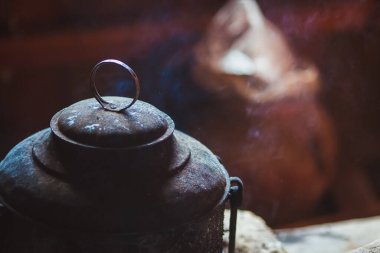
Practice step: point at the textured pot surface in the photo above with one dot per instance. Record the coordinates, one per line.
(90, 172)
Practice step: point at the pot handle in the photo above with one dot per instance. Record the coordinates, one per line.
(236, 199)
(107, 105)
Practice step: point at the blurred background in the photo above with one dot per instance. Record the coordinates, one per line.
(304, 158)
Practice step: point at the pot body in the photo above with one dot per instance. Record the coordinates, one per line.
(25, 232)
(105, 181)
(203, 235)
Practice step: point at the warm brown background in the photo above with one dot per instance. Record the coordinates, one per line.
(47, 49)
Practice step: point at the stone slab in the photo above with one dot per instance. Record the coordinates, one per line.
(334, 237)
(252, 235)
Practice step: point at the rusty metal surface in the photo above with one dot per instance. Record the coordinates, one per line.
(113, 171)
(112, 199)
(104, 181)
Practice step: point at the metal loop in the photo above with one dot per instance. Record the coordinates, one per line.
(105, 104)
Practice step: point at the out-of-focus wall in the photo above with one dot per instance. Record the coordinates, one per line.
(47, 49)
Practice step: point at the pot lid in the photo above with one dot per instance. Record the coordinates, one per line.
(112, 122)
(87, 123)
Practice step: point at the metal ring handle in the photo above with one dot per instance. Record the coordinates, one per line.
(105, 104)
